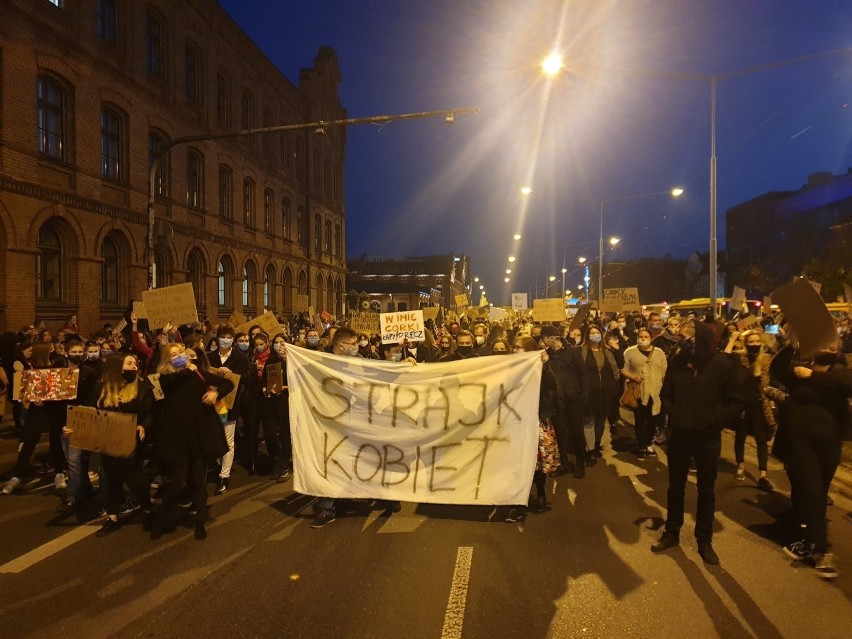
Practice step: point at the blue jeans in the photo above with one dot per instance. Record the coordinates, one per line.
(78, 470)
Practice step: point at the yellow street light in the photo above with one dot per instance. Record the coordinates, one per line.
(581, 260)
(525, 190)
(508, 271)
(506, 279)
(552, 278)
(511, 258)
(552, 64)
(475, 279)
(614, 240)
(677, 191)
(517, 236)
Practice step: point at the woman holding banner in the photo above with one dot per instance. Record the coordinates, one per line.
(191, 432)
(121, 390)
(548, 450)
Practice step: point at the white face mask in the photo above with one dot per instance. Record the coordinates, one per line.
(363, 343)
(644, 342)
(396, 357)
(480, 340)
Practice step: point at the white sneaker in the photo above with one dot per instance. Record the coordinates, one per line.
(11, 485)
(60, 482)
(824, 566)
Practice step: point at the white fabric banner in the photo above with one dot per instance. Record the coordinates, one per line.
(462, 432)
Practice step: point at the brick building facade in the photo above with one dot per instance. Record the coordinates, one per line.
(88, 91)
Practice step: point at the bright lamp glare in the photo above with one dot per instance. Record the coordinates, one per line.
(511, 258)
(552, 278)
(552, 64)
(506, 279)
(525, 190)
(581, 260)
(677, 191)
(508, 271)
(614, 240)
(517, 236)
(475, 279)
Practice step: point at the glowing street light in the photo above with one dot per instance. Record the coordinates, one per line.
(475, 279)
(506, 279)
(614, 240)
(508, 271)
(552, 64)
(517, 236)
(511, 258)
(481, 287)
(677, 191)
(581, 260)
(525, 190)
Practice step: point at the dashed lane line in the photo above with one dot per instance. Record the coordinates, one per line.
(454, 616)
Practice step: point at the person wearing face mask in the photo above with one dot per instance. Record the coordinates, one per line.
(813, 421)
(418, 352)
(574, 336)
(501, 347)
(702, 395)
(603, 374)
(480, 340)
(252, 400)
(655, 324)
(572, 393)
(464, 348)
(535, 332)
(276, 412)
(312, 340)
(191, 434)
(669, 339)
(753, 364)
(225, 360)
(79, 488)
(446, 345)
(365, 348)
(646, 365)
(121, 390)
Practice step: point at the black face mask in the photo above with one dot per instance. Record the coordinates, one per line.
(825, 359)
(753, 349)
(128, 376)
(537, 338)
(464, 351)
(75, 359)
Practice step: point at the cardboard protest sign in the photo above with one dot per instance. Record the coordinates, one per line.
(154, 378)
(16, 384)
(431, 313)
(738, 299)
(139, 310)
(302, 303)
(232, 396)
(806, 312)
(519, 302)
(629, 298)
(580, 315)
(461, 432)
(175, 304)
(274, 379)
(402, 325)
(49, 384)
(748, 323)
(614, 305)
(462, 300)
(267, 322)
(496, 314)
(549, 310)
(237, 319)
(100, 431)
(365, 323)
(478, 311)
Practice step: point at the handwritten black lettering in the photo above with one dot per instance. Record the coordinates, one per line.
(398, 462)
(400, 409)
(485, 440)
(326, 387)
(327, 456)
(361, 449)
(503, 397)
(435, 468)
(484, 388)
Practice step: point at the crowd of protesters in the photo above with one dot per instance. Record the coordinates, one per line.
(685, 379)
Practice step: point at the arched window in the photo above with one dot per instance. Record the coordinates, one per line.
(317, 235)
(225, 277)
(155, 46)
(249, 279)
(329, 295)
(113, 144)
(49, 265)
(338, 307)
(156, 143)
(285, 218)
(165, 267)
(109, 272)
(303, 283)
(320, 298)
(193, 74)
(338, 244)
(327, 243)
(301, 226)
(226, 192)
(224, 99)
(269, 211)
(53, 115)
(247, 114)
(195, 275)
(108, 21)
(248, 203)
(194, 179)
(287, 290)
(269, 288)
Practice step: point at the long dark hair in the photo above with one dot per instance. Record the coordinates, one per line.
(115, 389)
(41, 355)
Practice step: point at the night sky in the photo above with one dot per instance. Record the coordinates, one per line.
(608, 126)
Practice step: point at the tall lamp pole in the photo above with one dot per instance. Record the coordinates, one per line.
(320, 125)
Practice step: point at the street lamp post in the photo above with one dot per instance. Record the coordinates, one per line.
(320, 125)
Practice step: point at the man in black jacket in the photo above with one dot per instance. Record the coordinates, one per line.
(701, 395)
(572, 392)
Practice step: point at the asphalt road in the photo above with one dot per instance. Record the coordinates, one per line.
(583, 569)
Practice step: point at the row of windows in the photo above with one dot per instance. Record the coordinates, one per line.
(51, 270)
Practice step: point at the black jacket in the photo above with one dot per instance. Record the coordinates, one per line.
(571, 377)
(237, 363)
(701, 398)
(187, 425)
(278, 404)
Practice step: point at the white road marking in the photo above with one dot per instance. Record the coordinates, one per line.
(454, 617)
(49, 549)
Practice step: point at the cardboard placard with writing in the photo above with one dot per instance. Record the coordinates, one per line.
(49, 384)
(267, 322)
(231, 397)
(614, 305)
(549, 310)
(102, 431)
(302, 303)
(580, 316)
(431, 313)
(175, 304)
(274, 379)
(365, 323)
(748, 323)
(154, 378)
(629, 298)
(496, 314)
(237, 319)
(478, 311)
(402, 325)
(807, 313)
(520, 302)
(462, 300)
(139, 310)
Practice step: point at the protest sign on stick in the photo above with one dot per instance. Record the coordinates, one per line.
(175, 304)
(519, 302)
(629, 298)
(402, 325)
(549, 310)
